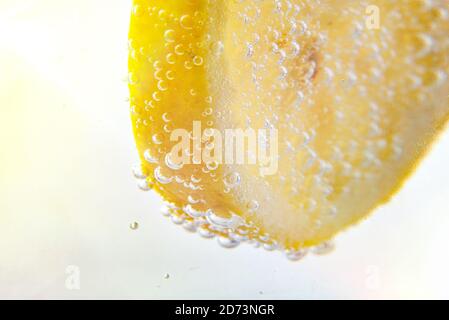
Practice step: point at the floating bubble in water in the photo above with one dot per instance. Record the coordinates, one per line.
(134, 225)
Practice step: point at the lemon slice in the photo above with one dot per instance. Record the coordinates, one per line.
(355, 92)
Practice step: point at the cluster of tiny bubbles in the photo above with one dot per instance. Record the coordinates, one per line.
(232, 230)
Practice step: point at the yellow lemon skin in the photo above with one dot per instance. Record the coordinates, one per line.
(357, 91)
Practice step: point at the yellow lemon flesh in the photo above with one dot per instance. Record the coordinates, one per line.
(357, 91)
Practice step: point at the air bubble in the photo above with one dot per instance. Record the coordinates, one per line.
(295, 255)
(208, 99)
(252, 205)
(425, 44)
(160, 177)
(189, 226)
(162, 85)
(186, 22)
(188, 209)
(295, 49)
(232, 180)
(169, 35)
(204, 232)
(198, 61)
(137, 172)
(171, 58)
(156, 96)
(144, 185)
(133, 79)
(324, 248)
(191, 199)
(227, 242)
(212, 165)
(156, 138)
(170, 75)
(137, 10)
(217, 48)
(149, 157)
(179, 49)
(176, 218)
(171, 164)
(223, 223)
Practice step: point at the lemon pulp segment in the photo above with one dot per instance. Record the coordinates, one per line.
(355, 106)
